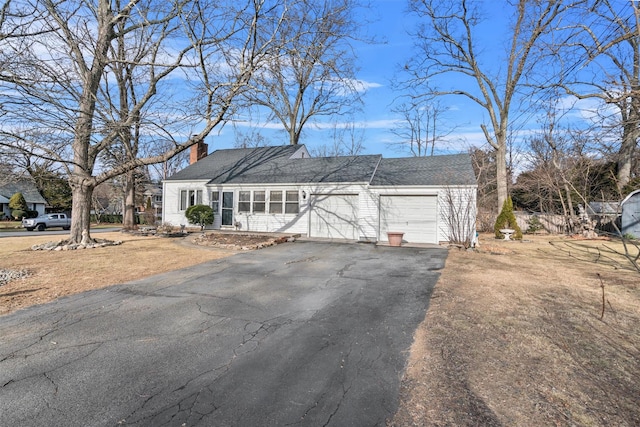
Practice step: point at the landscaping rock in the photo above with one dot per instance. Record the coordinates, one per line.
(64, 245)
(7, 275)
(240, 241)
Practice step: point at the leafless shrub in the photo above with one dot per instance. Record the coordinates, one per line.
(460, 212)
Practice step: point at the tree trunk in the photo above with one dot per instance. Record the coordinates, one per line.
(571, 210)
(129, 214)
(81, 210)
(627, 149)
(501, 173)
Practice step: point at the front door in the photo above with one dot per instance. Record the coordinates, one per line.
(227, 208)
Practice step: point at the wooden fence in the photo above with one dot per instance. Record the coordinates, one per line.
(551, 223)
(558, 224)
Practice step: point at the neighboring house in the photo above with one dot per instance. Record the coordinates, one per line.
(283, 189)
(631, 214)
(604, 208)
(12, 185)
(154, 193)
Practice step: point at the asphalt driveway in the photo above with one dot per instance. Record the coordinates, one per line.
(305, 333)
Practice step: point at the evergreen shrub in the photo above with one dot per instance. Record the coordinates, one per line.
(507, 219)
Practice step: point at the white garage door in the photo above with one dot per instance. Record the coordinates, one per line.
(416, 216)
(334, 216)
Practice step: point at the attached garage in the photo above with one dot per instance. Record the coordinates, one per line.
(414, 215)
(333, 216)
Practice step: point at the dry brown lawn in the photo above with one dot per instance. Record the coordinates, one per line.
(512, 337)
(58, 273)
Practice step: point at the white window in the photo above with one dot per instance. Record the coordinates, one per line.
(244, 201)
(291, 205)
(275, 201)
(215, 202)
(259, 201)
(190, 198)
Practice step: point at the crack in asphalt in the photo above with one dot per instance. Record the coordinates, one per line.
(321, 314)
(256, 333)
(308, 259)
(346, 267)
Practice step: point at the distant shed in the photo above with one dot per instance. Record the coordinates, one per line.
(631, 214)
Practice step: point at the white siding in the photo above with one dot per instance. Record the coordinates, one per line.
(457, 206)
(334, 216)
(368, 218)
(265, 221)
(171, 213)
(368, 215)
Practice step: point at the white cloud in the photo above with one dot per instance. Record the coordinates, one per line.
(362, 86)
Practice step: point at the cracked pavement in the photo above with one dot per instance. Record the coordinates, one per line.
(300, 334)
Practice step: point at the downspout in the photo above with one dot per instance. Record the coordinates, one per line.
(377, 226)
(375, 170)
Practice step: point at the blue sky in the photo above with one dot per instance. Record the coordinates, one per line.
(378, 64)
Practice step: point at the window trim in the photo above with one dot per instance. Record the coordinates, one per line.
(262, 201)
(246, 204)
(295, 202)
(214, 202)
(187, 195)
(276, 202)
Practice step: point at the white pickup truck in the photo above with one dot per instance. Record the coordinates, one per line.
(45, 221)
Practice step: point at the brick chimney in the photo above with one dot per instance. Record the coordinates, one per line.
(198, 152)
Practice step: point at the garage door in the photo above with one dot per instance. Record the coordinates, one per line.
(334, 216)
(416, 216)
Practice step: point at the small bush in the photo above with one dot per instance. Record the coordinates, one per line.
(534, 225)
(149, 216)
(166, 228)
(507, 219)
(17, 214)
(199, 214)
(107, 218)
(18, 203)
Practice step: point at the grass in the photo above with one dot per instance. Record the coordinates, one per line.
(55, 274)
(514, 336)
(10, 225)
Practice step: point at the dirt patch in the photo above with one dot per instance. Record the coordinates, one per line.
(513, 336)
(240, 241)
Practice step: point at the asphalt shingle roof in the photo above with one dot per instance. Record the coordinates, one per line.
(26, 186)
(273, 165)
(307, 170)
(451, 169)
(223, 165)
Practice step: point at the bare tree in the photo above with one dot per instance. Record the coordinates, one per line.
(56, 79)
(562, 173)
(448, 44)
(313, 73)
(346, 140)
(601, 61)
(483, 161)
(159, 171)
(459, 206)
(420, 129)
